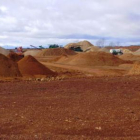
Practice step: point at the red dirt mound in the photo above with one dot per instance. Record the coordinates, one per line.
(30, 66)
(13, 56)
(8, 68)
(135, 70)
(129, 56)
(58, 58)
(93, 59)
(55, 52)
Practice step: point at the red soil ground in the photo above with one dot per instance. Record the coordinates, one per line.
(75, 109)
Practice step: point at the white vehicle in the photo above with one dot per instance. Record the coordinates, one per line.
(116, 51)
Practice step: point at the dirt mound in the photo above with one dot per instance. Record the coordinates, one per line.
(137, 52)
(126, 51)
(135, 70)
(55, 52)
(92, 59)
(129, 56)
(30, 66)
(104, 50)
(59, 58)
(14, 56)
(31, 52)
(92, 49)
(4, 51)
(8, 68)
(84, 45)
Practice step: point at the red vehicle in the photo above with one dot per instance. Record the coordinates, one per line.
(19, 51)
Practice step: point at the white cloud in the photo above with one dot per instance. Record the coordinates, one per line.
(3, 36)
(3, 9)
(51, 21)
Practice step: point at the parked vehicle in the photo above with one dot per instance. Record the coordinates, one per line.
(116, 51)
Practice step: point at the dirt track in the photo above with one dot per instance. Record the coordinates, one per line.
(93, 70)
(73, 109)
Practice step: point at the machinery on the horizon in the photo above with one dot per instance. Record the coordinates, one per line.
(19, 51)
(40, 47)
(116, 51)
(76, 48)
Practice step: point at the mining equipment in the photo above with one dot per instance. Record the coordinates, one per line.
(19, 51)
(116, 51)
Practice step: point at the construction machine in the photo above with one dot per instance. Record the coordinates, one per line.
(19, 51)
(40, 47)
(116, 51)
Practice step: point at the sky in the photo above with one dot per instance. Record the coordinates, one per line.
(44, 22)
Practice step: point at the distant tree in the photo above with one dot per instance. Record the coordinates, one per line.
(112, 44)
(54, 46)
(118, 43)
(100, 43)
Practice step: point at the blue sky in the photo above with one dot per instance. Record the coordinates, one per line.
(35, 22)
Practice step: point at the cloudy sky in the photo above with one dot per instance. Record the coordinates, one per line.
(43, 22)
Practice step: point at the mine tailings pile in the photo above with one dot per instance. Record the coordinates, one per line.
(55, 52)
(4, 51)
(135, 70)
(104, 49)
(32, 52)
(137, 52)
(129, 56)
(29, 66)
(84, 45)
(92, 59)
(8, 68)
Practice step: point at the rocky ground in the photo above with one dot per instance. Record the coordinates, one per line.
(71, 109)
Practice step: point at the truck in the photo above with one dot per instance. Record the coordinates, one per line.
(116, 51)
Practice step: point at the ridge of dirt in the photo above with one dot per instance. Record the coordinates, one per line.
(30, 66)
(4, 51)
(32, 52)
(8, 68)
(92, 59)
(55, 52)
(129, 56)
(135, 70)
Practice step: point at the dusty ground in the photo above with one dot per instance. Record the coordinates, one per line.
(79, 104)
(72, 109)
(61, 68)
